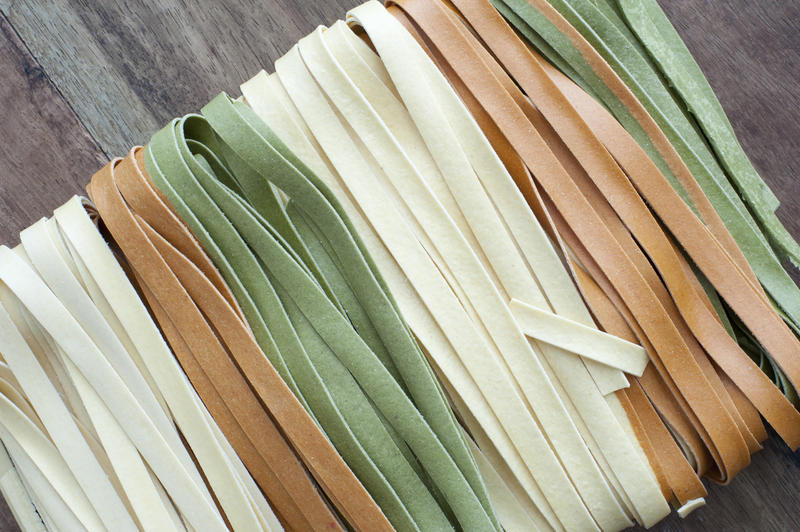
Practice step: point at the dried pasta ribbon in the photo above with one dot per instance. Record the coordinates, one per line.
(438, 446)
(212, 342)
(690, 232)
(17, 494)
(722, 432)
(66, 274)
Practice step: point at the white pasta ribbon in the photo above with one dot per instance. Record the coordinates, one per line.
(580, 339)
(457, 243)
(93, 399)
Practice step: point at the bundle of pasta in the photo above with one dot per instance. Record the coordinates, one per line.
(627, 54)
(418, 278)
(648, 265)
(473, 272)
(102, 426)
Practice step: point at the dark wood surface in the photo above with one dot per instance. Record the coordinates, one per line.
(80, 83)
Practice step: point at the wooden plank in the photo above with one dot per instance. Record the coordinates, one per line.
(46, 155)
(126, 72)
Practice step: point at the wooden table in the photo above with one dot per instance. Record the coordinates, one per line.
(79, 85)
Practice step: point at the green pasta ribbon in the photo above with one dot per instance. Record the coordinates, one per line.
(321, 312)
(640, 65)
(652, 27)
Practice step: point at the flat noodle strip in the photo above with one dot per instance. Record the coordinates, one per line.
(689, 231)
(431, 290)
(511, 514)
(672, 409)
(460, 487)
(552, 329)
(164, 286)
(16, 495)
(660, 387)
(724, 436)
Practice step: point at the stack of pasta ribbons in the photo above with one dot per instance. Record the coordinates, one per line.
(452, 265)
(104, 428)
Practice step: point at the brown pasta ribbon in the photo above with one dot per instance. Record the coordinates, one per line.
(701, 246)
(265, 423)
(680, 478)
(595, 181)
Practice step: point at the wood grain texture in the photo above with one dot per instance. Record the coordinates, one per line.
(46, 154)
(125, 69)
(128, 70)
